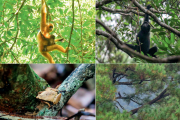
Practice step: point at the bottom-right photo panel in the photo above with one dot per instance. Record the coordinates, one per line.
(138, 91)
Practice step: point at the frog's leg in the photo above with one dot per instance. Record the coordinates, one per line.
(48, 104)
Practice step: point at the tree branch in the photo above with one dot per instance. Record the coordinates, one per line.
(130, 98)
(162, 95)
(156, 18)
(124, 83)
(120, 45)
(103, 2)
(120, 105)
(69, 87)
(122, 11)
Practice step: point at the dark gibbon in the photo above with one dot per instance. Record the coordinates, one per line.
(143, 38)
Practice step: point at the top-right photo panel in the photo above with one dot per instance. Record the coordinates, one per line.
(137, 31)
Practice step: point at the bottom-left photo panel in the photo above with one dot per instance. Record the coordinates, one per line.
(47, 91)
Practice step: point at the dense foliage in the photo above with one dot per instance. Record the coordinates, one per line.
(105, 95)
(143, 91)
(124, 19)
(20, 23)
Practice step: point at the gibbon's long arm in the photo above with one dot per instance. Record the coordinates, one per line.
(143, 38)
(43, 16)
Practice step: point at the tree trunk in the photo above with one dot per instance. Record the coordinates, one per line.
(19, 86)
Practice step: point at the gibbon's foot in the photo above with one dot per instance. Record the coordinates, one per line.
(52, 61)
(48, 56)
(66, 49)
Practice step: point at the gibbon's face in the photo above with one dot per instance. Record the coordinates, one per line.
(50, 27)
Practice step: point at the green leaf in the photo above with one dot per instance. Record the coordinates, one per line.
(9, 33)
(65, 11)
(172, 38)
(18, 42)
(167, 40)
(163, 48)
(108, 18)
(61, 12)
(162, 33)
(126, 23)
(156, 30)
(6, 24)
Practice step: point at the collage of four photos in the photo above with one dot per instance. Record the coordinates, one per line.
(90, 60)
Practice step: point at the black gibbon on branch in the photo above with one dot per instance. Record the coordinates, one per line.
(142, 39)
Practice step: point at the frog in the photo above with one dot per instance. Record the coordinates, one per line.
(50, 95)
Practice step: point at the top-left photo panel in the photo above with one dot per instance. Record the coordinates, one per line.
(47, 31)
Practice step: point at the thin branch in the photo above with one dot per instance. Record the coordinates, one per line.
(109, 30)
(81, 30)
(103, 2)
(20, 7)
(16, 35)
(156, 18)
(135, 101)
(124, 83)
(160, 96)
(120, 105)
(71, 30)
(16, 32)
(16, 11)
(120, 45)
(120, 97)
(17, 25)
(6, 41)
(122, 11)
